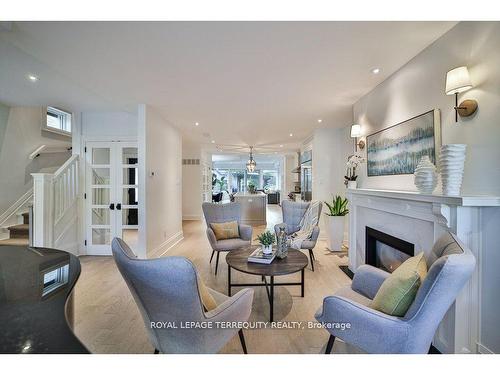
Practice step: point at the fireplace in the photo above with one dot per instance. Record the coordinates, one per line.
(385, 251)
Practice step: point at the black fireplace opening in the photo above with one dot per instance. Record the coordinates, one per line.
(385, 251)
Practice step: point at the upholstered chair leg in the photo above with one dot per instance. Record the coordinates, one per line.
(157, 351)
(329, 345)
(242, 340)
(311, 259)
(213, 251)
(217, 262)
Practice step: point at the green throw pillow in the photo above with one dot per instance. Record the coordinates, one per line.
(398, 291)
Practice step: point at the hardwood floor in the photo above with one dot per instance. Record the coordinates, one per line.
(108, 321)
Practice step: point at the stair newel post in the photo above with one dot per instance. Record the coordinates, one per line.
(43, 207)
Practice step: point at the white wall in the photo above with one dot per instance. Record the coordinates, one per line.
(191, 182)
(21, 135)
(160, 152)
(327, 168)
(418, 87)
(109, 125)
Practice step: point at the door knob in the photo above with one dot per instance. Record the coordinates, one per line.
(112, 206)
(118, 206)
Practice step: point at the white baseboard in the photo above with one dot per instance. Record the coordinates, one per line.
(191, 217)
(483, 349)
(167, 245)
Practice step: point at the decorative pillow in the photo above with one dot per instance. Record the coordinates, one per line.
(397, 292)
(207, 299)
(225, 231)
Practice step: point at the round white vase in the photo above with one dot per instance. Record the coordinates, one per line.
(352, 184)
(451, 167)
(267, 249)
(335, 232)
(425, 176)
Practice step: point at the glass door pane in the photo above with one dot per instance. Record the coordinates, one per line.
(100, 194)
(128, 194)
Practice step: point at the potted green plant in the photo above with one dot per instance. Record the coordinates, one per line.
(337, 210)
(266, 240)
(251, 187)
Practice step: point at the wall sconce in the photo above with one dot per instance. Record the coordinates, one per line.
(457, 81)
(356, 133)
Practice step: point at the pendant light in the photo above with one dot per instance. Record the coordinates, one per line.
(251, 164)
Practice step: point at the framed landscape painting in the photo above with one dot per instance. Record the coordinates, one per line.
(399, 148)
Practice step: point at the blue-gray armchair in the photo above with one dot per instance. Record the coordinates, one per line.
(451, 265)
(222, 213)
(166, 290)
(292, 215)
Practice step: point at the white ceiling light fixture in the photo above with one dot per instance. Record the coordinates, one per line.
(291, 134)
(196, 124)
(251, 164)
(320, 121)
(32, 77)
(213, 141)
(376, 70)
(281, 146)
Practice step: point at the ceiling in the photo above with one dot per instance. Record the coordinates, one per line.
(245, 83)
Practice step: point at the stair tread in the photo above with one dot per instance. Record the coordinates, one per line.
(14, 242)
(19, 227)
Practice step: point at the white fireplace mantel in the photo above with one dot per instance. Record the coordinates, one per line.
(421, 219)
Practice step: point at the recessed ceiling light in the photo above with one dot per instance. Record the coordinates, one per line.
(320, 121)
(281, 145)
(291, 134)
(32, 77)
(275, 152)
(196, 124)
(376, 70)
(213, 141)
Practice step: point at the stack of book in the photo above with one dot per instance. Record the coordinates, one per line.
(259, 257)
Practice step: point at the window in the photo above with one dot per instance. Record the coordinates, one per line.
(58, 121)
(270, 180)
(237, 181)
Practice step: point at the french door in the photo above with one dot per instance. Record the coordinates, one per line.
(112, 207)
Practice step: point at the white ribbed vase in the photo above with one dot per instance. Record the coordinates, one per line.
(451, 167)
(425, 176)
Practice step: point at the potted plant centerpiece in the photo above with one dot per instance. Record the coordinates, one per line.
(350, 177)
(266, 240)
(251, 187)
(337, 210)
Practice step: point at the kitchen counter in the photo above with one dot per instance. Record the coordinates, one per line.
(253, 207)
(35, 300)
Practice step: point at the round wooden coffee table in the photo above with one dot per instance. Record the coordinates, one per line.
(294, 262)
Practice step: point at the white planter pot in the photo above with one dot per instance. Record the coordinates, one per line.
(335, 232)
(267, 249)
(352, 184)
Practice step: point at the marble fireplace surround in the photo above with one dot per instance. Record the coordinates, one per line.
(421, 219)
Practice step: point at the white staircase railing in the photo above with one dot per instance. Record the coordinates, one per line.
(55, 208)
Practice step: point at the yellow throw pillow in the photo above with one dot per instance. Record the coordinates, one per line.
(225, 231)
(207, 299)
(398, 291)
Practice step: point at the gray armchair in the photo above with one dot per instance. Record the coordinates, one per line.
(292, 214)
(166, 291)
(451, 265)
(221, 213)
